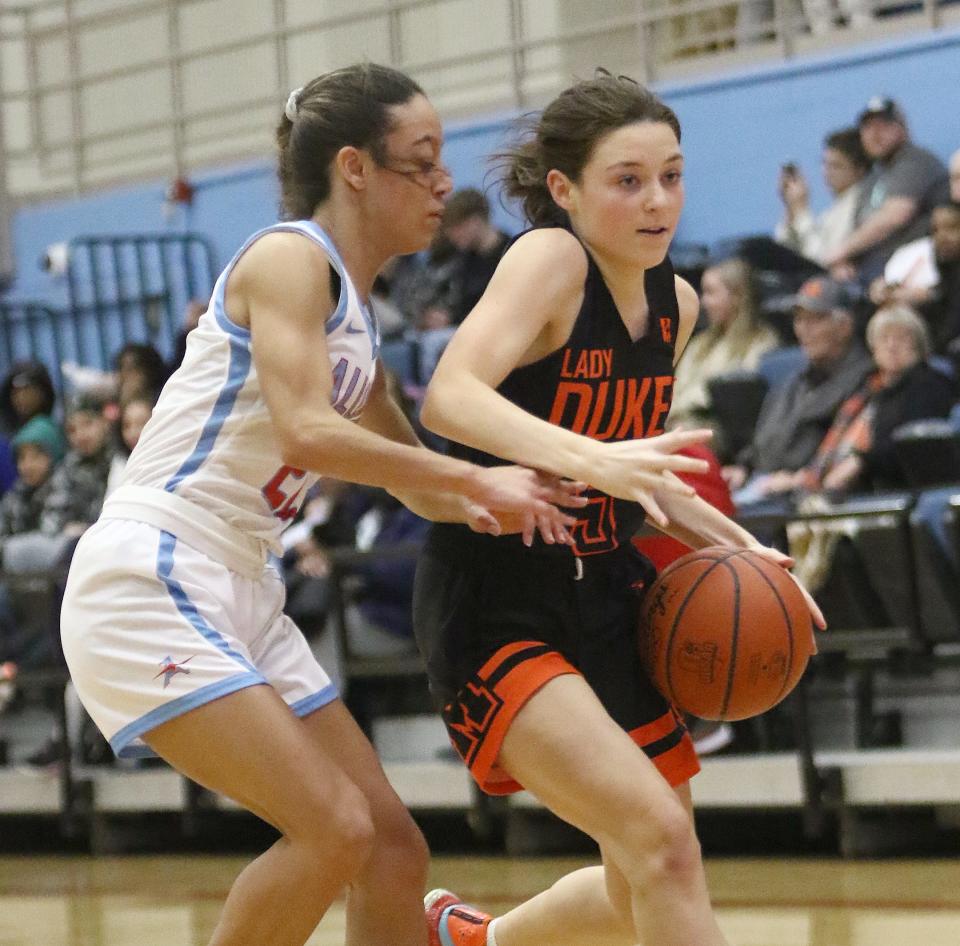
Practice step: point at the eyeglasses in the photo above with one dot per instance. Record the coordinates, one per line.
(426, 174)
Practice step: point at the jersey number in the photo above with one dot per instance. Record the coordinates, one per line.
(595, 530)
(283, 504)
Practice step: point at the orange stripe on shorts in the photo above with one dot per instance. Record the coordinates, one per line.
(478, 723)
(679, 763)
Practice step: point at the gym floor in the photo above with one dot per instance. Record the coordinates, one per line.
(174, 901)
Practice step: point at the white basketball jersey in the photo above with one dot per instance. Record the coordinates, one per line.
(210, 440)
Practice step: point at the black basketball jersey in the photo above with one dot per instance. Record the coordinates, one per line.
(605, 385)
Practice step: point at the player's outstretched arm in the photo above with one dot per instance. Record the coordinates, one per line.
(384, 416)
(523, 315)
(281, 289)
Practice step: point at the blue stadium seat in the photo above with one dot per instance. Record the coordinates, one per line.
(399, 355)
(778, 365)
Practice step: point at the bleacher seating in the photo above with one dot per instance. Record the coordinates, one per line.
(735, 401)
(778, 365)
(929, 452)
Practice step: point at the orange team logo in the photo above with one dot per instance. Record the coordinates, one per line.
(469, 718)
(169, 668)
(666, 330)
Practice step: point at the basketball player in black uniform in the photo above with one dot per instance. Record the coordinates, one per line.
(567, 364)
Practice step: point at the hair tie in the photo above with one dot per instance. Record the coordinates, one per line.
(290, 109)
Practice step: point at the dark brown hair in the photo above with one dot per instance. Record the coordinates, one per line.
(565, 134)
(848, 142)
(345, 107)
(463, 204)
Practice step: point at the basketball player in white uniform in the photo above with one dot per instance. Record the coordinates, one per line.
(172, 621)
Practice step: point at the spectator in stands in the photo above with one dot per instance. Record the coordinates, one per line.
(39, 446)
(328, 519)
(941, 308)
(403, 279)
(912, 274)
(140, 370)
(344, 515)
(478, 247)
(76, 493)
(435, 328)
(909, 276)
(845, 164)
(26, 392)
(131, 419)
(858, 452)
(906, 182)
(733, 340)
(80, 482)
(797, 414)
(378, 612)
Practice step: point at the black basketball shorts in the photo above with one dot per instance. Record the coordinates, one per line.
(495, 621)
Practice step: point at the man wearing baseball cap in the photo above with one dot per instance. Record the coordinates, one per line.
(906, 182)
(798, 412)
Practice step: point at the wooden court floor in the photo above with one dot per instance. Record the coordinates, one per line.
(174, 901)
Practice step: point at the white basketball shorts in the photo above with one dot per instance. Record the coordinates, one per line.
(153, 628)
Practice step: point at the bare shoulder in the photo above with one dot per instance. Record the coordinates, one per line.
(552, 257)
(277, 254)
(280, 265)
(687, 299)
(689, 305)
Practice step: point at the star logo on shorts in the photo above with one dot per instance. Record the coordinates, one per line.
(169, 668)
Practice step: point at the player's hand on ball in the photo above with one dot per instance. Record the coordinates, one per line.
(785, 561)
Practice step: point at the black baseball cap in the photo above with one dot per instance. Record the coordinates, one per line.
(882, 107)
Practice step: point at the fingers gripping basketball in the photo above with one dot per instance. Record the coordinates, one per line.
(725, 634)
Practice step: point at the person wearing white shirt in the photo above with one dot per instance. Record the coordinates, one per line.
(845, 164)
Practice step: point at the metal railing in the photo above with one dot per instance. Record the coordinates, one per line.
(131, 288)
(98, 91)
(34, 331)
(134, 288)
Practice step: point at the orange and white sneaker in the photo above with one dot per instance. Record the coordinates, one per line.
(450, 922)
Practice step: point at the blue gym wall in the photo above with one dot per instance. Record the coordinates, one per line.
(737, 131)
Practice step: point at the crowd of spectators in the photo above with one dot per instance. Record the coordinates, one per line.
(66, 450)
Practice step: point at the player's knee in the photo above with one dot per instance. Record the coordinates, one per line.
(340, 833)
(402, 850)
(346, 841)
(662, 847)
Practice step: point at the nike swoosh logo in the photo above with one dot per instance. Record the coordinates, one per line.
(354, 331)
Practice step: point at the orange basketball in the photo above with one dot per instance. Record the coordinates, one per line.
(725, 633)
